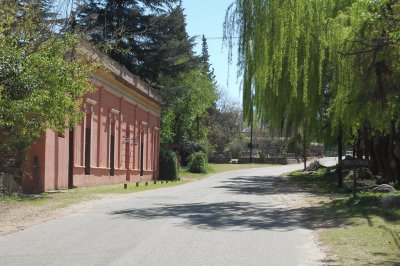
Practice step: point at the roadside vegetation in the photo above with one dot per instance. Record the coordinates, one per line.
(325, 71)
(356, 231)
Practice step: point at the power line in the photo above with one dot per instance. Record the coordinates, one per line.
(220, 38)
(217, 38)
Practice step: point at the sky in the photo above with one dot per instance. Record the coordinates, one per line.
(206, 17)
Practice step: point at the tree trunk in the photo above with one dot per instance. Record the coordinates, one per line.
(366, 143)
(390, 148)
(375, 164)
(380, 156)
(304, 151)
(359, 154)
(340, 155)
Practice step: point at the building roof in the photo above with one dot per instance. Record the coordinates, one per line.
(120, 72)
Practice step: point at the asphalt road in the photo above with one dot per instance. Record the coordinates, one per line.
(246, 217)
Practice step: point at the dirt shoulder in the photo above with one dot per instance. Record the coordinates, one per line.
(17, 216)
(18, 212)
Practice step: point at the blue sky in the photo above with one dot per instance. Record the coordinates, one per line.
(207, 17)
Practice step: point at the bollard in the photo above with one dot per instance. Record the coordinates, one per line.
(125, 186)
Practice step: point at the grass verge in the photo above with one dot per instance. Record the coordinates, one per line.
(357, 231)
(62, 198)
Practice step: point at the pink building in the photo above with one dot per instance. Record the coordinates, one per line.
(117, 141)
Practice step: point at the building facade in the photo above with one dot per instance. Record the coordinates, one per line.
(117, 141)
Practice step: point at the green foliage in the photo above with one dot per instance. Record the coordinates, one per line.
(185, 97)
(225, 123)
(312, 67)
(148, 37)
(40, 87)
(282, 51)
(189, 147)
(293, 52)
(198, 163)
(168, 165)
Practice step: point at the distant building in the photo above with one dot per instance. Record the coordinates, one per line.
(117, 141)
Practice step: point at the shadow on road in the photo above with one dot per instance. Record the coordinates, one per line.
(228, 216)
(241, 215)
(259, 185)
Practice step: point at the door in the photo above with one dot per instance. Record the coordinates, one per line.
(128, 156)
(71, 159)
(141, 158)
(88, 138)
(112, 153)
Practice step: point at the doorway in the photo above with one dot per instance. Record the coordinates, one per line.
(71, 159)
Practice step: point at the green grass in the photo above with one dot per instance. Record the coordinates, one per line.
(358, 230)
(364, 245)
(317, 182)
(63, 198)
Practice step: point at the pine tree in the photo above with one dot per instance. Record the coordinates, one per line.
(168, 50)
(147, 37)
(205, 58)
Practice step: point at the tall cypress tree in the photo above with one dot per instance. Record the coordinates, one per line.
(205, 58)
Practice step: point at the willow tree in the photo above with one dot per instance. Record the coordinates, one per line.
(372, 51)
(282, 53)
(303, 61)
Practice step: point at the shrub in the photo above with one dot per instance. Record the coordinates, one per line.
(168, 164)
(189, 147)
(198, 163)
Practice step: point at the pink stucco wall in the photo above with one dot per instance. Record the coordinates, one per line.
(107, 111)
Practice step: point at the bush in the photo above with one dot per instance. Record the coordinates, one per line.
(168, 165)
(189, 147)
(198, 163)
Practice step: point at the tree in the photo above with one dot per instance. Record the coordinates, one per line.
(205, 59)
(169, 49)
(281, 55)
(225, 125)
(188, 96)
(148, 37)
(308, 64)
(40, 86)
